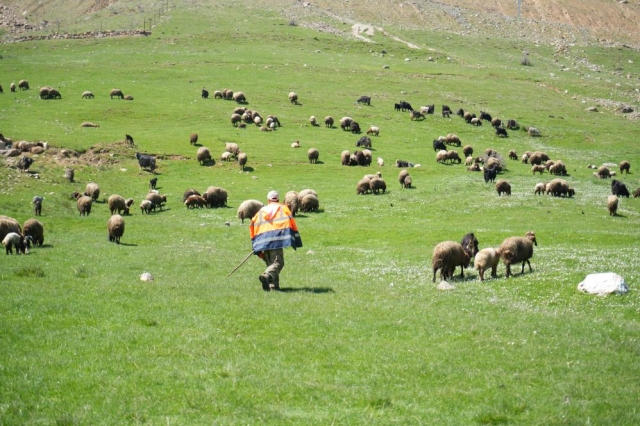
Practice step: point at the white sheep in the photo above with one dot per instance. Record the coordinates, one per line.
(13, 239)
(380, 162)
(485, 259)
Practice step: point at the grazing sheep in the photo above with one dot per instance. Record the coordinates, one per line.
(23, 85)
(496, 122)
(156, 199)
(128, 202)
(485, 116)
(227, 94)
(438, 145)
(13, 239)
(204, 93)
(304, 193)
(636, 193)
(512, 125)
(453, 156)
(35, 230)
(441, 156)
(309, 203)
(485, 259)
(215, 197)
(503, 187)
(117, 93)
(612, 205)
(12, 87)
(217, 94)
(447, 256)
(345, 123)
(501, 133)
(373, 130)
(476, 121)
(194, 201)
(313, 155)
(378, 184)
(537, 158)
(624, 166)
(54, 94)
(117, 204)
(242, 160)
(8, 225)
(364, 100)
(548, 164)
(558, 188)
(293, 98)
(345, 157)
(226, 156)
(146, 206)
(474, 168)
(537, 168)
(193, 139)
(312, 121)
(402, 176)
(115, 226)
(364, 141)
(152, 183)
(92, 190)
(146, 161)
(602, 173)
(416, 115)
(619, 189)
(514, 250)
(84, 205)
(363, 186)
(24, 163)
(296, 144)
(407, 182)
(367, 157)
(188, 193)
(291, 200)
(525, 159)
(541, 188)
(355, 127)
(513, 155)
(452, 139)
(203, 155)
(43, 93)
(235, 119)
(328, 121)
(380, 162)
(240, 98)
(558, 168)
(467, 150)
(533, 132)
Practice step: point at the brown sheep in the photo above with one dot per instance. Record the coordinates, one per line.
(513, 155)
(538, 168)
(377, 184)
(117, 204)
(541, 188)
(92, 190)
(452, 139)
(115, 226)
(89, 124)
(514, 250)
(194, 201)
(558, 187)
(328, 121)
(345, 123)
(407, 182)
(248, 209)
(476, 121)
(363, 187)
(485, 259)
(193, 139)
(373, 130)
(548, 164)
(612, 205)
(217, 94)
(291, 200)
(231, 147)
(157, 200)
(188, 193)
(293, 98)
(84, 205)
(35, 230)
(12, 87)
(235, 119)
(8, 225)
(503, 187)
(239, 97)
(441, 156)
(203, 155)
(309, 203)
(602, 173)
(23, 85)
(467, 150)
(624, 166)
(87, 95)
(447, 256)
(304, 193)
(636, 193)
(215, 197)
(117, 93)
(402, 176)
(313, 121)
(558, 168)
(313, 155)
(452, 156)
(242, 160)
(345, 157)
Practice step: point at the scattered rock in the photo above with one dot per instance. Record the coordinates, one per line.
(603, 284)
(386, 67)
(444, 286)
(227, 223)
(311, 252)
(146, 277)
(592, 109)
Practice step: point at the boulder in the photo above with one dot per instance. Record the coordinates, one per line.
(603, 284)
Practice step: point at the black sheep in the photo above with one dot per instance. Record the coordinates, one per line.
(153, 182)
(502, 133)
(460, 112)
(619, 189)
(446, 108)
(397, 107)
(490, 174)
(128, 139)
(146, 161)
(485, 116)
(364, 141)
(355, 127)
(405, 106)
(512, 125)
(24, 163)
(431, 109)
(470, 244)
(205, 93)
(364, 100)
(439, 145)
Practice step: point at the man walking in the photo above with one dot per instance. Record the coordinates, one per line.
(273, 229)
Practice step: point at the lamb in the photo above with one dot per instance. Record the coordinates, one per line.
(193, 139)
(291, 200)
(533, 132)
(470, 244)
(377, 184)
(345, 157)
(402, 176)
(84, 205)
(313, 155)
(619, 189)
(328, 121)
(12, 87)
(503, 187)
(309, 203)
(467, 150)
(474, 168)
(117, 204)
(525, 159)
(117, 93)
(195, 201)
(233, 148)
(293, 98)
(624, 166)
(548, 164)
(242, 160)
(215, 197)
(152, 183)
(188, 193)
(485, 259)
(312, 121)
(128, 202)
(452, 139)
(226, 156)
(16, 240)
(363, 187)
(92, 190)
(128, 98)
(514, 250)
(8, 225)
(602, 173)
(257, 120)
(156, 199)
(558, 187)
(476, 121)
(537, 168)
(203, 155)
(146, 206)
(447, 256)
(612, 205)
(380, 162)
(35, 231)
(296, 144)
(541, 188)
(115, 226)
(373, 130)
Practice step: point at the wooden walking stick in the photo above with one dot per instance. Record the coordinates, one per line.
(241, 263)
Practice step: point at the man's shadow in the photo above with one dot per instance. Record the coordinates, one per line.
(315, 290)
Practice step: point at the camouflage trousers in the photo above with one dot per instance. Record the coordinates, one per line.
(275, 262)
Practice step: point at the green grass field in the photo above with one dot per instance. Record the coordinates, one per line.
(360, 334)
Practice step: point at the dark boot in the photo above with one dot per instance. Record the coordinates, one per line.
(264, 279)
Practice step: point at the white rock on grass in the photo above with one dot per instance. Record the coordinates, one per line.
(603, 284)
(445, 286)
(146, 277)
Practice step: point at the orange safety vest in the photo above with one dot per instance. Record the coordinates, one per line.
(273, 227)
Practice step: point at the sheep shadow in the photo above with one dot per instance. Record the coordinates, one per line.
(197, 144)
(45, 246)
(128, 245)
(208, 163)
(313, 290)
(248, 169)
(619, 215)
(319, 162)
(161, 211)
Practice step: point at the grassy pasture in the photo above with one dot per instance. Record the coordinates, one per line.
(360, 335)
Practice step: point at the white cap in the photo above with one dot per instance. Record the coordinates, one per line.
(273, 196)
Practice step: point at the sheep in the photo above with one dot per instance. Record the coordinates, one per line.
(117, 93)
(447, 256)
(115, 226)
(203, 155)
(226, 156)
(309, 203)
(344, 158)
(373, 130)
(485, 116)
(490, 174)
(291, 200)
(513, 155)
(304, 193)
(402, 176)
(43, 93)
(470, 244)
(533, 132)
(193, 139)
(460, 113)
(146, 161)
(476, 121)
(188, 193)
(602, 173)
(407, 182)
(146, 206)
(624, 166)
(84, 205)
(474, 168)
(328, 121)
(558, 187)
(558, 168)
(217, 94)
(128, 202)
(501, 133)
(441, 156)
(612, 205)
(257, 120)
(377, 184)
(152, 183)
(233, 148)
(7, 225)
(345, 123)
(313, 155)
(496, 122)
(367, 157)
(467, 150)
(355, 127)
(363, 186)
(485, 259)
(92, 190)
(636, 193)
(235, 119)
(503, 187)
(537, 158)
(215, 197)
(156, 199)
(416, 115)
(35, 230)
(541, 188)
(37, 206)
(512, 125)
(364, 100)
(24, 163)
(312, 121)
(537, 168)
(452, 139)
(514, 250)
(362, 159)
(227, 94)
(364, 141)
(12, 87)
(16, 240)
(571, 192)
(23, 85)
(293, 98)
(117, 204)
(89, 124)
(619, 189)
(240, 98)
(525, 159)
(548, 164)
(54, 94)
(195, 201)
(380, 162)
(453, 156)
(242, 160)
(204, 93)
(439, 145)
(468, 161)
